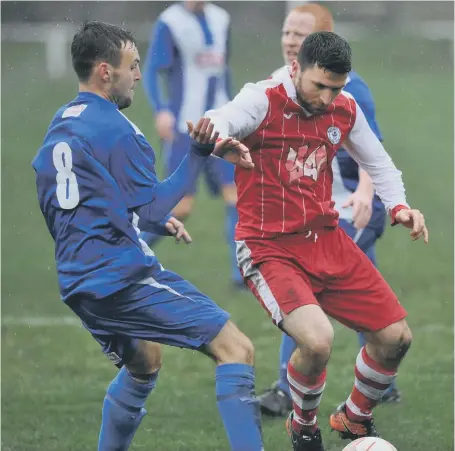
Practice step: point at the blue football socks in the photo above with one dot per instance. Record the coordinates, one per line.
(238, 406)
(123, 410)
(287, 347)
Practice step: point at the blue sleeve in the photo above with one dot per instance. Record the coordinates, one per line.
(364, 99)
(156, 228)
(160, 57)
(171, 190)
(132, 165)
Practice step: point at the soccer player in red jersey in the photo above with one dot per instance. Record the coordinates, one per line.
(364, 222)
(293, 255)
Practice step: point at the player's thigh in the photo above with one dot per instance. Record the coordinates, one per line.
(286, 293)
(166, 309)
(309, 326)
(231, 346)
(371, 254)
(175, 152)
(219, 173)
(279, 284)
(358, 296)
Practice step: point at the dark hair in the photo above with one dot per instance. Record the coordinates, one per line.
(97, 41)
(327, 50)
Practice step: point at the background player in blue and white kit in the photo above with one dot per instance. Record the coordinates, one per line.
(362, 214)
(189, 57)
(97, 188)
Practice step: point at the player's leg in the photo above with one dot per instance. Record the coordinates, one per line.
(233, 353)
(174, 154)
(221, 173)
(375, 370)
(193, 320)
(277, 401)
(206, 327)
(139, 363)
(360, 298)
(230, 198)
(124, 403)
(313, 333)
(366, 240)
(285, 291)
(164, 308)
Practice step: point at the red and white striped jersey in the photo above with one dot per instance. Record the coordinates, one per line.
(290, 188)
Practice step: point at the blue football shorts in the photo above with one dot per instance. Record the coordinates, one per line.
(366, 238)
(163, 308)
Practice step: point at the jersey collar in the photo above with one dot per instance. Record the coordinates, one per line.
(87, 96)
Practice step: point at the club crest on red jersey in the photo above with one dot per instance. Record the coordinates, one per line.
(334, 135)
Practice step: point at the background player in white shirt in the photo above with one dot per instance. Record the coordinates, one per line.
(189, 51)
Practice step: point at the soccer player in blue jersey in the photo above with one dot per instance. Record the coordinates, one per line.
(189, 57)
(97, 189)
(362, 214)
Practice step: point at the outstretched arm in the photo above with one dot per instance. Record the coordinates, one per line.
(244, 114)
(132, 166)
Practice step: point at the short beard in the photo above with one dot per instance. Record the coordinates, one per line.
(306, 106)
(116, 97)
(121, 101)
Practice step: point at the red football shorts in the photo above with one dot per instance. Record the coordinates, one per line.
(324, 268)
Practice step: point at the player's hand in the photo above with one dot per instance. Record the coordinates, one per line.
(164, 123)
(235, 152)
(413, 219)
(177, 230)
(204, 132)
(362, 208)
(229, 149)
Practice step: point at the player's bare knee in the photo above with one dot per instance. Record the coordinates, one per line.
(147, 359)
(391, 344)
(402, 343)
(310, 328)
(312, 332)
(318, 348)
(231, 346)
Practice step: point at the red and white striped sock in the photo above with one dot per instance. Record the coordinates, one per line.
(371, 382)
(306, 395)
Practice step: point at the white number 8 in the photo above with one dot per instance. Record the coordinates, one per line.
(67, 189)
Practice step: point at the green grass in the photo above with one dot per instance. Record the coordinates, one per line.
(54, 377)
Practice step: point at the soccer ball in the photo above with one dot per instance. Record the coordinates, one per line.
(370, 444)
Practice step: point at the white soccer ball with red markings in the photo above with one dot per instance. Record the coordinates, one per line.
(370, 444)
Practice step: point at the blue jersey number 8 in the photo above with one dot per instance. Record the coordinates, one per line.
(67, 189)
